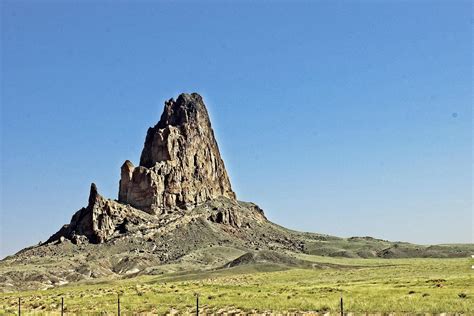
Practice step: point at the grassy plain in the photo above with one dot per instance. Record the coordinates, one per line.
(367, 285)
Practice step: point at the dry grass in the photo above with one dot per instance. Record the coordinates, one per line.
(367, 285)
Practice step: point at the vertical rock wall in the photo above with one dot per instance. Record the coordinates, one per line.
(180, 165)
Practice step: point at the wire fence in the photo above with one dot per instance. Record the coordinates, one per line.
(119, 306)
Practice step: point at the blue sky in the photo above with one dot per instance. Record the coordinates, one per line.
(345, 118)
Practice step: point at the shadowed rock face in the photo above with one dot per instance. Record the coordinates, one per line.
(180, 165)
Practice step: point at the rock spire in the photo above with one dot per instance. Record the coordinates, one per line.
(180, 165)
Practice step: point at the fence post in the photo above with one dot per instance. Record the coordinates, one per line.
(62, 306)
(197, 304)
(342, 307)
(19, 306)
(118, 304)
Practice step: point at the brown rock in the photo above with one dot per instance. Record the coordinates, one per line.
(99, 220)
(226, 217)
(180, 165)
(180, 168)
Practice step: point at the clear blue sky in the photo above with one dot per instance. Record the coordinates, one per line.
(338, 117)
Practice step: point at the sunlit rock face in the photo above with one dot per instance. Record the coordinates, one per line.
(180, 165)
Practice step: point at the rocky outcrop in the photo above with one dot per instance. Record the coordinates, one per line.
(180, 168)
(101, 219)
(180, 165)
(226, 217)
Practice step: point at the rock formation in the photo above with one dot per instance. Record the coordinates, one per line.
(101, 219)
(180, 168)
(180, 165)
(177, 208)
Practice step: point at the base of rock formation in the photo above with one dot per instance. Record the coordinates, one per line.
(221, 233)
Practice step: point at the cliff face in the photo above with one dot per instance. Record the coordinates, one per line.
(180, 165)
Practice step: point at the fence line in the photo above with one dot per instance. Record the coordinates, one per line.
(118, 305)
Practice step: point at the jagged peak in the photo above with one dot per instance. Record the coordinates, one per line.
(180, 165)
(187, 108)
(93, 194)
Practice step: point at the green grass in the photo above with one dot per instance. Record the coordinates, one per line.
(367, 285)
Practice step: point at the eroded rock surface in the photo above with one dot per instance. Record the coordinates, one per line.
(101, 219)
(180, 165)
